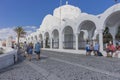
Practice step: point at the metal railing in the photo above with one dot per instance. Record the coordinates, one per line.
(68, 44)
(55, 45)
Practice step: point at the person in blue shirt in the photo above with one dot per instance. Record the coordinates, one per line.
(96, 49)
(37, 50)
(87, 49)
(30, 51)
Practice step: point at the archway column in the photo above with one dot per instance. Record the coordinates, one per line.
(76, 40)
(50, 42)
(113, 33)
(114, 40)
(101, 39)
(44, 42)
(60, 41)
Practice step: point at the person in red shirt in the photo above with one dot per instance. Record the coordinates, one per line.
(110, 49)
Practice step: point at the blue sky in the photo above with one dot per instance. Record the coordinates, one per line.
(31, 12)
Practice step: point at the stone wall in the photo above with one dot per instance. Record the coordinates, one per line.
(8, 59)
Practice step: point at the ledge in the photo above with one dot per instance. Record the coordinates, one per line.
(8, 58)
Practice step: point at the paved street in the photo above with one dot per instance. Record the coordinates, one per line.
(63, 66)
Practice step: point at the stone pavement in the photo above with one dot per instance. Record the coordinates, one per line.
(63, 66)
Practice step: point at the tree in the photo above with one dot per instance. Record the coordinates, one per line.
(20, 33)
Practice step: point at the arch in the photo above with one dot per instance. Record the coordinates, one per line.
(86, 27)
(47, 40)
(68, 35)
(86, 18)
(112, 22)
(55, 38)
(81, 41)
(115, 8)
(111, 19)
(89, 26)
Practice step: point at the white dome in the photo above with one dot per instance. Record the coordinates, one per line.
(67, 11)
(48, 22)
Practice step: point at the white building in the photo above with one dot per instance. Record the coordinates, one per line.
(69, 28)
(9, 41)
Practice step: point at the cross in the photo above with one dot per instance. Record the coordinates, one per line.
(66, 2)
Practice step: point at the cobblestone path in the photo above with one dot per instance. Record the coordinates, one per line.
(63, 66)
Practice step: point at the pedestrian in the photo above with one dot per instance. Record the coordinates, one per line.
(96, 49)
(30, 51)
(87, 49)
(37, 50)
(91, 48)
(110, 49)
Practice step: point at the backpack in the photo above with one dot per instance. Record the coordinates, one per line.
(99, 54)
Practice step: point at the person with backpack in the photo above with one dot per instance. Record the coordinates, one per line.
(30, 51)
(110, 49)
(96, 50)
(37, 50)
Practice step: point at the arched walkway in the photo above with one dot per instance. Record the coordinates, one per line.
(112, 22)
(68, 38)
(55, 39)
(47, 40)
(86, 33)
(81, 40)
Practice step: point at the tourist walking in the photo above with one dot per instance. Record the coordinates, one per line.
(87, 49)
(37, 50)
(30, 51)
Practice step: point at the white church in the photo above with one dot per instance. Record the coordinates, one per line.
(69, 28)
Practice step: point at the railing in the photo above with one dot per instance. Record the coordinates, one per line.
(81, 44)
(55, 45)
(68, 44)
